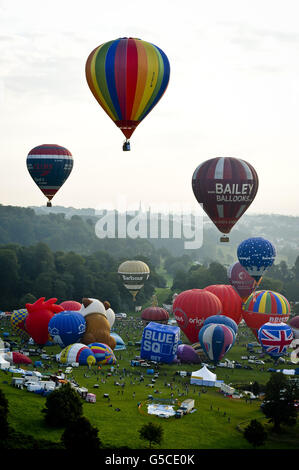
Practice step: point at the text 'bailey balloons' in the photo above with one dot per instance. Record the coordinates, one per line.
(275, 338)
(127, 77)
(103, 353)
(256, 255)
(225, 187)
(159, 342)
(66, 328)
(240, 279)
(49, 166)
(18, 321)
(37, 320)
(133, 274)
(216, 340)
(230, 300)
(76, 353)
(222, 320)
(265, 306)
(192, 307)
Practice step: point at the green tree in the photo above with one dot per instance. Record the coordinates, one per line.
(152, 433)
(80, 434)
(255, 433)
(279, 402)
(62, 406)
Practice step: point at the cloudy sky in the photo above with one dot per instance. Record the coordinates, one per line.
(233, 91)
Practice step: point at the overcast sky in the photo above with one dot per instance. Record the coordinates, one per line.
(233, 91)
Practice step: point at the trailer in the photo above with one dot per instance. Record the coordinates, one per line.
(187, 405)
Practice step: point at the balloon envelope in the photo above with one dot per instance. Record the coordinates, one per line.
(225, 187)
(186, 354)
(127, 77)
(275, 338)
(17, 321)
(256, 255)
(294, 324)
(133, 274)
(156, 314)
(240, 279)
(192, 307)
(67, 328)
(230, 300)
(103, 353)
(223, 320)
(265, 306)
(77, 352)
(216, 340)
(49, 166)
(71, 305)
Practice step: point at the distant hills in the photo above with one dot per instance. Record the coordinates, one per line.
(70, 229)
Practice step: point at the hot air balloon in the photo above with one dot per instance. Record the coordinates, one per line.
(256, 255)
(72, 305)
(222, 320)
(103, 353)
(110, 315)
(49, 166)
(77, 352)
(67, 328)
(265, 306)
(133, 275)
(275, 338)
(231, 301)
(241, 281)
(127, 77)
(225, 187)
(294, 324)
(192, 307)
(186, 354)
(17, 321)
(216, 340)
(156, 314)
(37, 320)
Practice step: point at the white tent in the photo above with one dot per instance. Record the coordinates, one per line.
(4, 364)
(204, 376)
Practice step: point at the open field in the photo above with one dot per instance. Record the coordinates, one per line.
(215, 424)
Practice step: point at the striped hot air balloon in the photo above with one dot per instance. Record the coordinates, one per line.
(133, 274)
(225, 187)
(49, 166)
(265, 306)
(127, 77)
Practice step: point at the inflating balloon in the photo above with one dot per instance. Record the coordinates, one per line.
(79, 353)
(127, 77)
(49, 166)
(192, 307)
(186, 354)
(67, 328)
(133, 274)
(225, 187)
(103, 353)
(37, 320)
(230, 300)
(72, 305)
(216, 340)
(265, 306)
(275, 338)
(159, 342)
(294, 324)
(241, 281)
(256, 255)
(17, 321)
(156, 314)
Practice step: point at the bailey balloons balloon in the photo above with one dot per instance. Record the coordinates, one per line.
(240, 279)
(265, 306)
(256, 255)
(216, 340)
(275, 338)
(230, 300)
(192, 307)
(49, 166)
(127, 77)
(225, 187)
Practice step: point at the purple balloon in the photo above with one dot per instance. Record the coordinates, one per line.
(186, 353)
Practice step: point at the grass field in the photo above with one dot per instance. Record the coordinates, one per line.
(216, 424)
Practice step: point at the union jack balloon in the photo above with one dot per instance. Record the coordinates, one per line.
(275, 338)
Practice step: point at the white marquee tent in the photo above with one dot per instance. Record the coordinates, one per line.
(205, 377)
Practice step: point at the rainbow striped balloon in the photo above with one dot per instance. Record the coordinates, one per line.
(127, 77)
(103, 353)
(265, 306)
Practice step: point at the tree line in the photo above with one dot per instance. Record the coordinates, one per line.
(30, 272)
